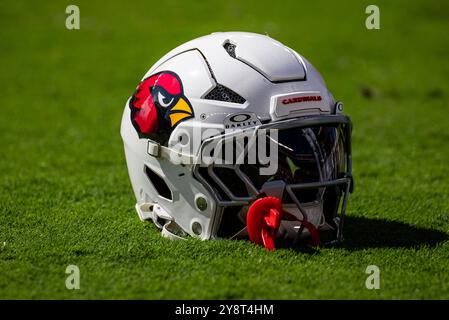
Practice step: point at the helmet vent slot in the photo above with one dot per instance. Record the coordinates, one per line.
(230, 48)
(159, 184)
(221, 93)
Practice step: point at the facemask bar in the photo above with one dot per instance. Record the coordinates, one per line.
(345, 182)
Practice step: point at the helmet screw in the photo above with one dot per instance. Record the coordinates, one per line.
(196, 228)
(201, 203)
(339, 106)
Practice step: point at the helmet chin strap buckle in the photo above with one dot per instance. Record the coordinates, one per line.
(264, 218)
(160, 217)
(152, 211)
(172, 231)
(156, 150)
(145, 211)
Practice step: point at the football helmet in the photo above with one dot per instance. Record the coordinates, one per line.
(235, 135)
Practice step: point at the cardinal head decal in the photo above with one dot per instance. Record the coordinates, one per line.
(159, 105)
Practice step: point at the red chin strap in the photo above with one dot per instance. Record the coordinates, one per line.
(264, 218)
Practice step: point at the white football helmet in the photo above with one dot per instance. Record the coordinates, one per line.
(235, 135)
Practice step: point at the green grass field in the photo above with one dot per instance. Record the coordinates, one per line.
(65, 196)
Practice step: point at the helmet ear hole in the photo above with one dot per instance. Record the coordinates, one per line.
(159, 184)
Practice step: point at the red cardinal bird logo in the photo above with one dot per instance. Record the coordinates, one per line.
(159, 105)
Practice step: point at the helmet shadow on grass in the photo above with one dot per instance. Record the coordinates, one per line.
(363, 233)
